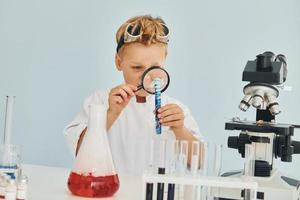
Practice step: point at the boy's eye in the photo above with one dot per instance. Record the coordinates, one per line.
(137, 67)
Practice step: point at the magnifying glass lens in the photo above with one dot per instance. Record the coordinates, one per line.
(155, 73)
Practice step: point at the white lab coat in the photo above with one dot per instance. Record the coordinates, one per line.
(131, 133)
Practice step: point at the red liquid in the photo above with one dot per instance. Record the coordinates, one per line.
(91, 186)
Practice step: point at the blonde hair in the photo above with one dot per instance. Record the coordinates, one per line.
(150, 27)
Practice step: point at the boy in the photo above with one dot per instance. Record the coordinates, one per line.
(142, 42)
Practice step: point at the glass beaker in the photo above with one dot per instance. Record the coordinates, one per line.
(94, 174)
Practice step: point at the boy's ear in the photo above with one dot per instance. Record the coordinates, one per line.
(118, 62)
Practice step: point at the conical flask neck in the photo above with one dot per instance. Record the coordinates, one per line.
(94, 155)
(97, 119)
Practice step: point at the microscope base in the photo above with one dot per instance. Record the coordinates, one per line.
(275, 187)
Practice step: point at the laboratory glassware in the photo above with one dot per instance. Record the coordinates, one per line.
(94, 174)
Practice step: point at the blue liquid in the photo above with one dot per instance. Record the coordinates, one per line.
(9, 170)
(171, 191)
(160, 186)
(157, 88)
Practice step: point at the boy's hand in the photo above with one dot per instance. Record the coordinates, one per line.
(119, 97)
(171, 115)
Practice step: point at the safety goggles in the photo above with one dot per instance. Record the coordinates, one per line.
(134, 33)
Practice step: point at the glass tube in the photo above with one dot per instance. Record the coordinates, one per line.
(149, 186)
(177, 154)
(204, 159)
(174, 152)
(249, 169)
(195, 161)
(211, 162)
(161, 167)
(195, 157)
(8, 119)
(157, 86)
(173, 190)
(217, 159)
(182, 165)
(183, 156)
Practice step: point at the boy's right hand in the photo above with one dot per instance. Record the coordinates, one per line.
(119, 98)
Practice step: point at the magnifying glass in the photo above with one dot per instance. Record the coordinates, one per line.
(148, 79)
(155, 80)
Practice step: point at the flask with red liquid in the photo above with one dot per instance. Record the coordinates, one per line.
(94, 174)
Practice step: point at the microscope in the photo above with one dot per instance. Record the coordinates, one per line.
(266, 74)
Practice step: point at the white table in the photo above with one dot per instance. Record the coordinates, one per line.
(50, 183)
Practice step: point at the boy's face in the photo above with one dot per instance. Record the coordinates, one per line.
(135, 58)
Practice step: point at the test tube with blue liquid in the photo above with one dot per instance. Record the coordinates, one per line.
(162, 144)
(155, 80)
(157, 87)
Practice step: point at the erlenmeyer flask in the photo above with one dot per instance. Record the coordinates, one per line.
(94, 174)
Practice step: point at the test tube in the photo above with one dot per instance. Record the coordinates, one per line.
(195, 161)
(149, 186)
(211, 166)
(182, 165)
(203, 167)
(9, 153)
(217, 159)
(8, 119)
(195, 157)
(157, 87)
(204, 159)
(249, 169)
(174, 152)
(177, 167)
(161, 167)
(211, 156)
(183, 156)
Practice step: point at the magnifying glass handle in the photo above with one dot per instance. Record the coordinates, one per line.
(139, 88)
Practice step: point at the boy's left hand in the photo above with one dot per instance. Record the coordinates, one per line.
(171, 115)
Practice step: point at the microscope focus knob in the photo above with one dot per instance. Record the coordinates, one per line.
(233, 142)
(238, 142)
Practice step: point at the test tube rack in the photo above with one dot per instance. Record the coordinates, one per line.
(212, 184)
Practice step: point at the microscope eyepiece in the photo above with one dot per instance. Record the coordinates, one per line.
(264, 61)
